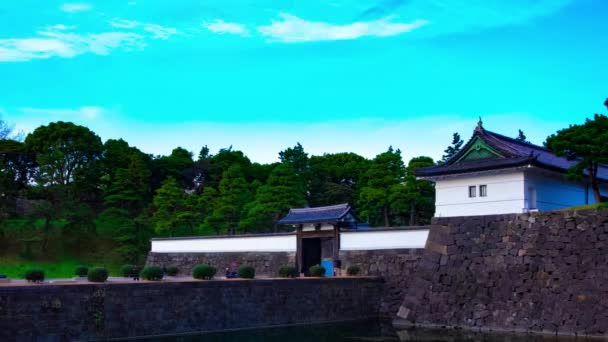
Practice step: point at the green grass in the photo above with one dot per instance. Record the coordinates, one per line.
(587, 207)
(15, 267)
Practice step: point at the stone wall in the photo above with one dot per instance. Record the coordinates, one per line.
(265, 263)
(531, 272)
(104, 311)
(395, 266)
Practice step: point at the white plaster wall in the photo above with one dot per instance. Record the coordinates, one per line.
(395, 239)
(505, 194)
(554, 191)
(282, 243)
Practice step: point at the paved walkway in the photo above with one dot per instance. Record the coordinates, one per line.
(123, 280)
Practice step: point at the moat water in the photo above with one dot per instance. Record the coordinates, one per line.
(368, 331)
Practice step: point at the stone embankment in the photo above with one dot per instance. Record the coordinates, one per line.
(106, 311)
(395, 266)
(542, 272)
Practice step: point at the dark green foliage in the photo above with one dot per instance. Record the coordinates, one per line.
(336, 178)
(284, 190)
(205, 272)
(297, 158)
(385, 173)
(228, 206)
(34, 275)
(171, 271)
(173, 211)
(353, 270)
(413, 202)
(81, 271)
(98, 274)
(247, 272)
(130, 271)
(152, 273)
(317, 271)
(453, 149)
(65, 152)
(587, 144)
(521, 137)
(288, 272)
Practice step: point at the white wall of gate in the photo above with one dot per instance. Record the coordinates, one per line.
(383, 239)
(245, 243)
(372, 239)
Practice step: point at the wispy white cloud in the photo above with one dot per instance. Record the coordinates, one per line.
(60, 27)
(76, 7)
(294, 29)
(222, 27)
(160, 32)
(123, 23)
(157, 31)
(61, 41)
(86, 112)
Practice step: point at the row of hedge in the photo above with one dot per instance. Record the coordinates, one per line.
(203, 272)
(95, 274)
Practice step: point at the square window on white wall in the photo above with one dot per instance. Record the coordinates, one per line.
(472, 191)
(483, 190)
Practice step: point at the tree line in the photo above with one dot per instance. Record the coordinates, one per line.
(61, 181)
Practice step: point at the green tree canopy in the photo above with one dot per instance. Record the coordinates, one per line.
(228, 206)
(16, 165)
(413, 202)
(64, 151)
(172, 215)
(296, 157)
(178, 164)
(336, 178)
(385, 171)
(587, 144)
(284, 190)
(453, 149)
(521, 136)
(223, 160)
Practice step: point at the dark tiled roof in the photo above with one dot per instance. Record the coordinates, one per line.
(516, 153)
(316, 215)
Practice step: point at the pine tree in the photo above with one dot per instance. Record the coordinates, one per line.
(413, 201)
(453, 149)
(172, 213)
(124, 199)
(228, 206)
(521, 137)
(284, 190)
(386, 170)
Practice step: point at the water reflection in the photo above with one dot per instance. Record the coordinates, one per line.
(368, 331)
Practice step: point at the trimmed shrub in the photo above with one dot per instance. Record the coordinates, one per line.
(317, 271)
(247, 272)
(34, 275)
(171, 271)
(130, 271)
(353, 270)
(97, 275)
(204, 272)
(152, 273)
(288, 272)
(81, 271)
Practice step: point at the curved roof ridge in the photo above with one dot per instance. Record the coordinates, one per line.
(328, 207)
(515, 141)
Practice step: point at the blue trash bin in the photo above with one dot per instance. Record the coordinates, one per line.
(328, 264)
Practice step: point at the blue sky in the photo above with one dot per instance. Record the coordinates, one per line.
(337, 75)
